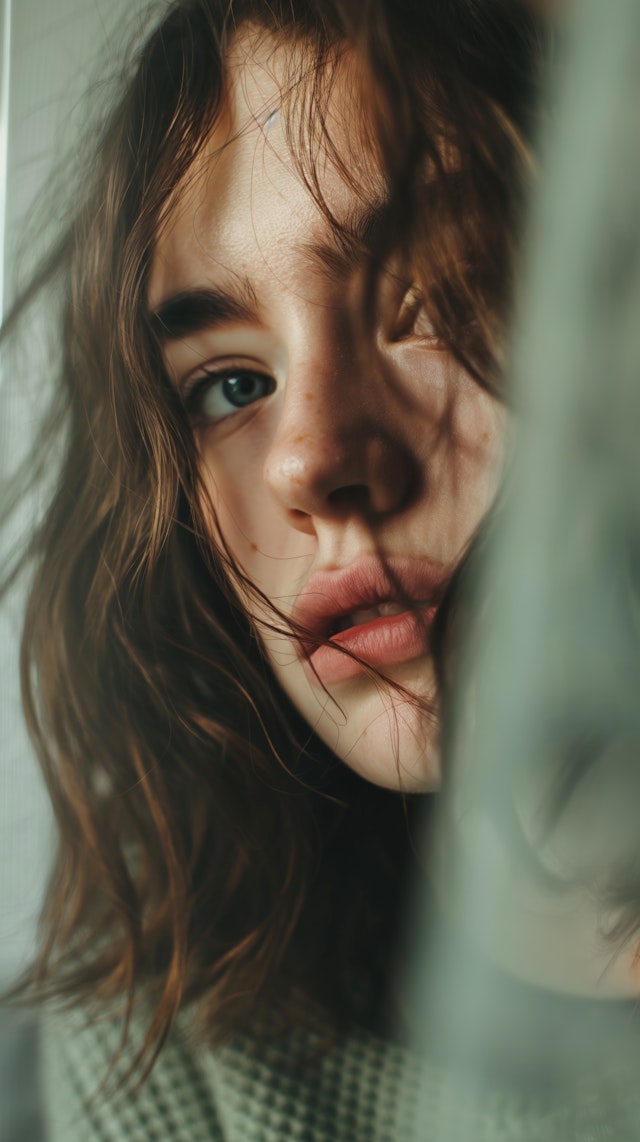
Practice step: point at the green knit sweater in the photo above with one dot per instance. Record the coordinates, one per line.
(364, 1090)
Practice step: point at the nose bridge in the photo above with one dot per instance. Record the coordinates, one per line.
(318, 427)
(332, 454)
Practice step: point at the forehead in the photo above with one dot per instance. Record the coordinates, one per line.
(245, 207)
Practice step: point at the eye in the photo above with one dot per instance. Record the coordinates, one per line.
(413, 319)
(214, 395)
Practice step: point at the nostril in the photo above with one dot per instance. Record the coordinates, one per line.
(302, 521)
(351, 498)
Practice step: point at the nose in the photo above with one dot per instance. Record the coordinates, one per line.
(332, 457)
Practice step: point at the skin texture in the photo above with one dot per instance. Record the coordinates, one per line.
(386, 449)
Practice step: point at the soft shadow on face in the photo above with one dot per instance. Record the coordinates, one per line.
(346, 478)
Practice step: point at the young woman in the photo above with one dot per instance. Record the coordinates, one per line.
(284, 287)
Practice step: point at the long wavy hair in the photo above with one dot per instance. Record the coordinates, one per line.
(209, 846)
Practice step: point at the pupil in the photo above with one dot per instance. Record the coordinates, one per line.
(243, 389)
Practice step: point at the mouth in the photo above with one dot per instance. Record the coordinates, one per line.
(365, 616)
(381, 613)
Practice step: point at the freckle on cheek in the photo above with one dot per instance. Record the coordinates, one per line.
(254, 546)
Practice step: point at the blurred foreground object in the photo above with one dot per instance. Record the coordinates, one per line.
(540, 851)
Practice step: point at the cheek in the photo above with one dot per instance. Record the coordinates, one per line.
(478, 443)
(245, 514)
(458, 429)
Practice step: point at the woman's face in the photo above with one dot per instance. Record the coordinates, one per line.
(346, 478)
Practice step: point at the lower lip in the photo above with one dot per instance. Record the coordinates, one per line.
(387, 641)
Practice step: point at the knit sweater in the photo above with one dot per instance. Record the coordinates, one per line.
(363, 1090)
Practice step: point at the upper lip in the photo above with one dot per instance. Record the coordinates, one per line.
(329, 595)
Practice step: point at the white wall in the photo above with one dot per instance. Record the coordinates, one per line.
(56, 50)
(51, 51)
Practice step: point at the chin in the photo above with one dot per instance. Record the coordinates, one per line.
(387, 738)
(395, 750)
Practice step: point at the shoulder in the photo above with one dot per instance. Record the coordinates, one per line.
(173, 1103)
(362, 1088)
(247, 1090)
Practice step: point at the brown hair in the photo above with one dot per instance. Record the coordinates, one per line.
(208, 844)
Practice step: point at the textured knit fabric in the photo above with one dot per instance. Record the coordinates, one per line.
(365, 1090)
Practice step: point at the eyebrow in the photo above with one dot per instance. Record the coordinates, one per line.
(352, 241)
(192, 310)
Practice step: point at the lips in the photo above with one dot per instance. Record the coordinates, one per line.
(379, 611)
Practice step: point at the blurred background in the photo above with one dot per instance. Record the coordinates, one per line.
(50, 54)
